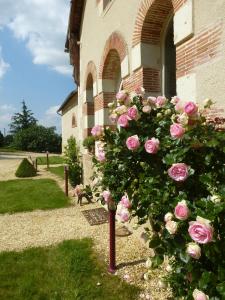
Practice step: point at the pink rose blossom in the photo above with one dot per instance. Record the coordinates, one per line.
(123, 121)
(139, 90)
(199, 295)
(201, 231)
(177, 130)
(125, 202)
(113, 118)
(179, 107)
(97, 131)
(133, 142)
(161, 101)
(100, 155)
(152, 145)
(122, 213)
(190, 108)
(181, 211)
(121, 95)
(132, 113)
(178, 172)
(107, 196)
(193, 250)
(152, 100)
(175, 100)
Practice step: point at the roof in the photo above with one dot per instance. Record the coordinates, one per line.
(67, 100)
(73, 34)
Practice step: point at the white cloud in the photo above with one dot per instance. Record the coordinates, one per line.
(6, 112)
(51, 118)
(3, 65)
(42, 25)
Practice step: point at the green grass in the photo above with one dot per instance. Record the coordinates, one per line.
(30, 194)
(5, 149)
(53, 160)
(68, 271)
(59, 171)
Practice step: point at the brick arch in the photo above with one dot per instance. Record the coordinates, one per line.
(91, 69)
(150, 20)
(115, 42)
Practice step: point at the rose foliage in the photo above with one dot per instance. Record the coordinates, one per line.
(166, 162)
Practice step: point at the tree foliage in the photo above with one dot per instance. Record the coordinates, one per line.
(22, 120)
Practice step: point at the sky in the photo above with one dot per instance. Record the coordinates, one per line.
(33, 64)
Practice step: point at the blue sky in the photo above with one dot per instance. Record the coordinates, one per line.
(33, 65)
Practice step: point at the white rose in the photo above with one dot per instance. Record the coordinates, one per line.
(148, 263)
(168, 217)
(194, 250)
(172, 226)
(215, 199)
(183, 119)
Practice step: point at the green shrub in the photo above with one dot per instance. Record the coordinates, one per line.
(25, 169)
(73, 160)
(89, 143)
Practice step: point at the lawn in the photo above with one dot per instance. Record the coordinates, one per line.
(68, 271)
(59, 171)
(53, 160)
(2, 149)
(30, 194)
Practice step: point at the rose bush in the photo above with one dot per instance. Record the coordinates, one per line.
(168, 166)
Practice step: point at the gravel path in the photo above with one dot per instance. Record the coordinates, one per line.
(43, 228)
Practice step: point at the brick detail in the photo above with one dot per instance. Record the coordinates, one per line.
(91, 71)
(147, 77)
(88, 109)
(217, 118)
(114, 42)
(199, 50)
(112, 65)
(102, 100)
(150, 20)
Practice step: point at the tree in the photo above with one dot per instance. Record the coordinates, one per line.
(1, 139)
(37, 138)
(22, 120)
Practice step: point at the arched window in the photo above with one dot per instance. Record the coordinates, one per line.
(74, 122)
(169, 82)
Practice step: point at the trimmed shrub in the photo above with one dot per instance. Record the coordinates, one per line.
(89, 143)
(25, 169)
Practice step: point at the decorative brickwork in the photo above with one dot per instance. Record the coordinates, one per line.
(102, 100)
(88, 108)
(91, 69)
(114, 42)
(150, 19)
(199, 50)
(112, 65)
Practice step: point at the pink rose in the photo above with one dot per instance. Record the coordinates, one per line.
(125, 202)
(178, 172)
(161, 101)
(194, 250)
(152, 145)
(133, 142)
(97, 130)
(123, 121)
(100, 155)
(181, 211)
(107, 196)
(132, 113)
(201, 231)
(190, 108)
(113, 117)
(121, 95)
(139, 90)
(199, 295)
(152, 101)
(179, 107)
(122, 213)
(175, 100)
(177, 130)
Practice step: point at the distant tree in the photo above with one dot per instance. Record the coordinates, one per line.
(1, 139)
(8, 139)
(37, 138)
(22, 120)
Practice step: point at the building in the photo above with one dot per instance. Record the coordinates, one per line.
(167, 46)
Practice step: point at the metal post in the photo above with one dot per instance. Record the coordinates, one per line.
(66, 171)
(112, 241)
(47, 160)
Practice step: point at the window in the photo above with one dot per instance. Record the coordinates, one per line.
(105, 3)
(74, 122)
(169, 62)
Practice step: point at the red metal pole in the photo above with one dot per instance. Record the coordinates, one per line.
(66, 169)
(112, 241)
(47, 160)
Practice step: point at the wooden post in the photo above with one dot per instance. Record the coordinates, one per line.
(112, 241)
(66, 177)
(47, 159)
